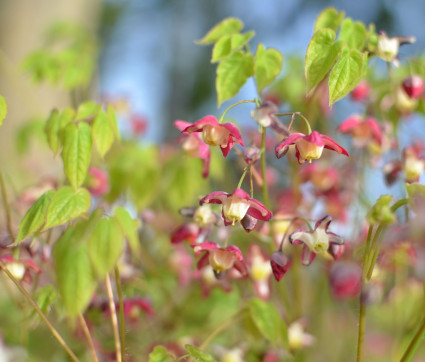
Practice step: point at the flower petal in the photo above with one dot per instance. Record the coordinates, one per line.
(181, 125)
(330, 144)
(350, 123)
(205, 246)
(307, 255)
(280, 263)
(376, 130)
(283, 146)
(216, 197)
(258, 210)
(199, 125)
(234, 132)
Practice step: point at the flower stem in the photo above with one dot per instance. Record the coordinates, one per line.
(242, 177)
(219, 329)
(299, 114)
(121, 312)
(263, 168)
(362, 320)
(88, 336)
(6, 207)
(233, 105)
(40, 313)
(114, 318)
(414, 343)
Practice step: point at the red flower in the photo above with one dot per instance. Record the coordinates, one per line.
(280, 263)
(224, 135)
(308, 147)
(220, 259)
(345, 280)
(238, 206)
(361, 92)
(195, 147)
(413, 86)
(362, 130)
(318, 241)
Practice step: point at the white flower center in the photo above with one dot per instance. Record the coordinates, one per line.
(204, 216)
(308, 150)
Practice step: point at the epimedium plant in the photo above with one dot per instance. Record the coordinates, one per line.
(113, 209)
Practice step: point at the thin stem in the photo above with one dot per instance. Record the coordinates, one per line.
(414, 343)
(6, 207)
(233, 105)
(242, 177)
(121, 312)
(40, 313)
(263, 168)
(299, 114)
(251, 183)
(88, 336)
(219, 329)
(114, 318)
(362, 320)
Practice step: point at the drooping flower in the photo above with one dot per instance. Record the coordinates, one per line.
(238, 206)
(308, 147)
(259, 270)
(280, 264)
(220, 259)
(297, 337)
(363, 130)
(20, 269)
(138, 124)
(195, 147)
(318, 241)
(387, 48)
(264, 116)
(224, 135)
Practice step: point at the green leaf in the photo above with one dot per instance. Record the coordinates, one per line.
(228, 26)
(268, 64)
(232, 73)
(66, 205)
(52, 130)
(76, 152)
(346, 74)
(45, 298)
(353, 34)
(198, 354)
(266, 318)
(239, 40)
(3, 110)
(329, 18)
(228, 44)
(105, 246)
(160, 354)
(129, 227)
(74, 273)
(112, 117)
(103, 135)
(87, 110)
(320, 56)
(34, 217)
(222, 48)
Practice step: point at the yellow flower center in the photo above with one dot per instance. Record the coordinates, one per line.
(413, 168)
(308, 150)
(204, 216)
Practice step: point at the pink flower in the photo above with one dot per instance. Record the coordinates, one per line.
(362, 130)
(308, 147)
(238, 206)
(361, 92)
(20, 269)
(98, 181)
(220, 259)
(318, 241)
(195, 147)
(224, 135)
